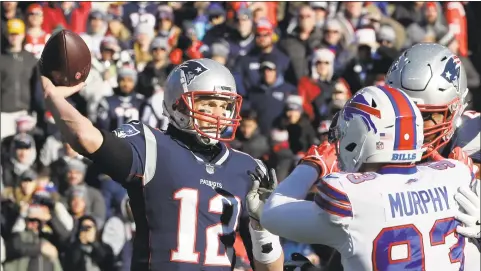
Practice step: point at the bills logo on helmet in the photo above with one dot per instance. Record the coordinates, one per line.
(359, 106)
(452, 70)
(192, 69)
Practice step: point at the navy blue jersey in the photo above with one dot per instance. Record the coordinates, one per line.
(116, 110)
(467, 136)
(176, 207)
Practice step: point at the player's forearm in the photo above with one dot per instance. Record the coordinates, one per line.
(76, 129)
(302, 222)
(266, 249)
(295, 186)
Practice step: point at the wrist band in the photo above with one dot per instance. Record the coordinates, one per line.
(266, 246)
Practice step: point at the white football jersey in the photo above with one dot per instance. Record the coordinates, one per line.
(400, 218)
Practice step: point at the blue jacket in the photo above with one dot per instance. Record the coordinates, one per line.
(269, 101)
(247, 68)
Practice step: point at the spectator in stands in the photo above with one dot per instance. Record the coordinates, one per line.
(155, 73)
(135, 13)
(323, 130)
(241, 40)
(36, 37)
(300, 44)
(321, 12)
(386, 37)
(69, 15)
(33, 248)
(351, 17)
(280, 156)
(218, 26)
(96, 29)
(165, 27)
(117, 29)
(144, 34)
(248, 66)
(102, 78)
(333, 39)
(319, 85)
(22, 158)
(124, 105)
(44, 196)
(430, 29)
(60, 166)
(334, 91)
(219, 51)
(78, 190)
(301, 133)
(24, 124)
(9, 11)
(118, 233)
(21, 195)
(408, 12)
(248, 137)
(268, 98)
(88, 252)
(367, 64)
(19, 78)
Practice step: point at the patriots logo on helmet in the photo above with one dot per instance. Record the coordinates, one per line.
(192, 69)
(452, 70)
(359, 106)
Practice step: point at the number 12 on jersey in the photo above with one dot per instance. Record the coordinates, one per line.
(187, 228)
(410, 235)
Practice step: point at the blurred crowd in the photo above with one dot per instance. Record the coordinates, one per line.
(295, 63)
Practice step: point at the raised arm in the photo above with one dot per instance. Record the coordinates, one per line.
(288, 215)
(112, 155)
(76, 129)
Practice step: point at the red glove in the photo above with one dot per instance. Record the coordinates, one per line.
(323, 156)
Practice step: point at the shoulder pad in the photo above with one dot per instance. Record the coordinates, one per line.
(130, 129)
(332, 198)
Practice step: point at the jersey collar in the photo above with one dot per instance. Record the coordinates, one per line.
(398, 169)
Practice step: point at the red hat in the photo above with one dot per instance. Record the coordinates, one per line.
(34, 8)
(264, 25)
(430, 5)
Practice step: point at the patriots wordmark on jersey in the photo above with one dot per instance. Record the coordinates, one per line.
(399, 218)
(181, 220)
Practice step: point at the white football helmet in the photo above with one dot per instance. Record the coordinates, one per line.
(201, 78)
(435, 79)
(379, 124)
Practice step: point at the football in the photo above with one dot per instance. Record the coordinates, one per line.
(65, 59)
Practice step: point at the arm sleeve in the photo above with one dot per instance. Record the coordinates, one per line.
(288, 215)
(122, 154)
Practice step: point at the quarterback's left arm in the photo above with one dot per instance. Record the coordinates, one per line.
(264, 248)
(469, 215)
(288, 215)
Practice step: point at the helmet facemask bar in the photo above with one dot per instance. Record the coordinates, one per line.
(444, 129)
(221, 123)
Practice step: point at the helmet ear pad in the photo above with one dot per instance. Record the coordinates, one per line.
(181, 106)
